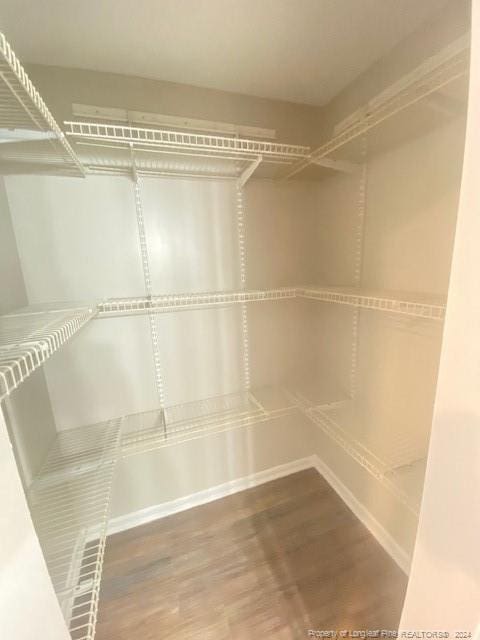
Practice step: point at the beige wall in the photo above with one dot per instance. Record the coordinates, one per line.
(452, 22)
(61, 87)
(410, 216)
(12, 286)
(84, 234)
(181, 470)
(27, 600)
(28, 605)
(27, 411)
(297, 124)
(444, 588)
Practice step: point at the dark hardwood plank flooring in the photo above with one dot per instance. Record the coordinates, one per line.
(268, 563)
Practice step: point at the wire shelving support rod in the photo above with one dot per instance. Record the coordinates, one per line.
(359, 245)
(242, 257)
(157, 363)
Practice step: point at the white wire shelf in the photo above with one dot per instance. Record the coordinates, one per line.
(120, 162)
(430, 77)
(387, 454)
(121, 150)
(179, 140)
(69, 502)
(408, 304)
(188, 301)
(31, 140)
(410, 480)
(153, 430)
(29, 336)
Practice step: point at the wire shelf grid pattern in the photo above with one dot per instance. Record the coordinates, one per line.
(178, 140)
(21, 107)
(70, 502)
(185, 301)
(405, 304)
(385, 464)
(70, 497)
(30, 336)
(176, 424)
(414, 305)
(107, 159)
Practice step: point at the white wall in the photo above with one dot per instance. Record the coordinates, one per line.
(77, 239)
(12, 286)
(177, 471)
(410, 214)
(83, 233)
(84, 236)
(444, 588)
(278, 229)
(450, 23)
(61, 87)
(28, 605)
(27, 600)
(27, 411)
(104, 372)
(191, 230)
(412, 197)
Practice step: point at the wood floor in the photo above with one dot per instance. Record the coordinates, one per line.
(269, 563)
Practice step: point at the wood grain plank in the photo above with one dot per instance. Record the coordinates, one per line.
(270, 562)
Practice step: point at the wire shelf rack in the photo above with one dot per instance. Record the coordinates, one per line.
(121, 149)
(180, 140)
(69, 502)
(29, 336)
(187, 301)
(176, 424)
(408, 304)
(153, 163)
(429, 77)
(32, 140)
(388, 456)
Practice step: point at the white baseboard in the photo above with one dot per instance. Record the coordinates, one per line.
(130, 520)
(394, 550)
(149, 514)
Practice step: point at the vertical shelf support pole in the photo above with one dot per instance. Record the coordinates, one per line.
(359, 242)
(157, 363)
(240, 205)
